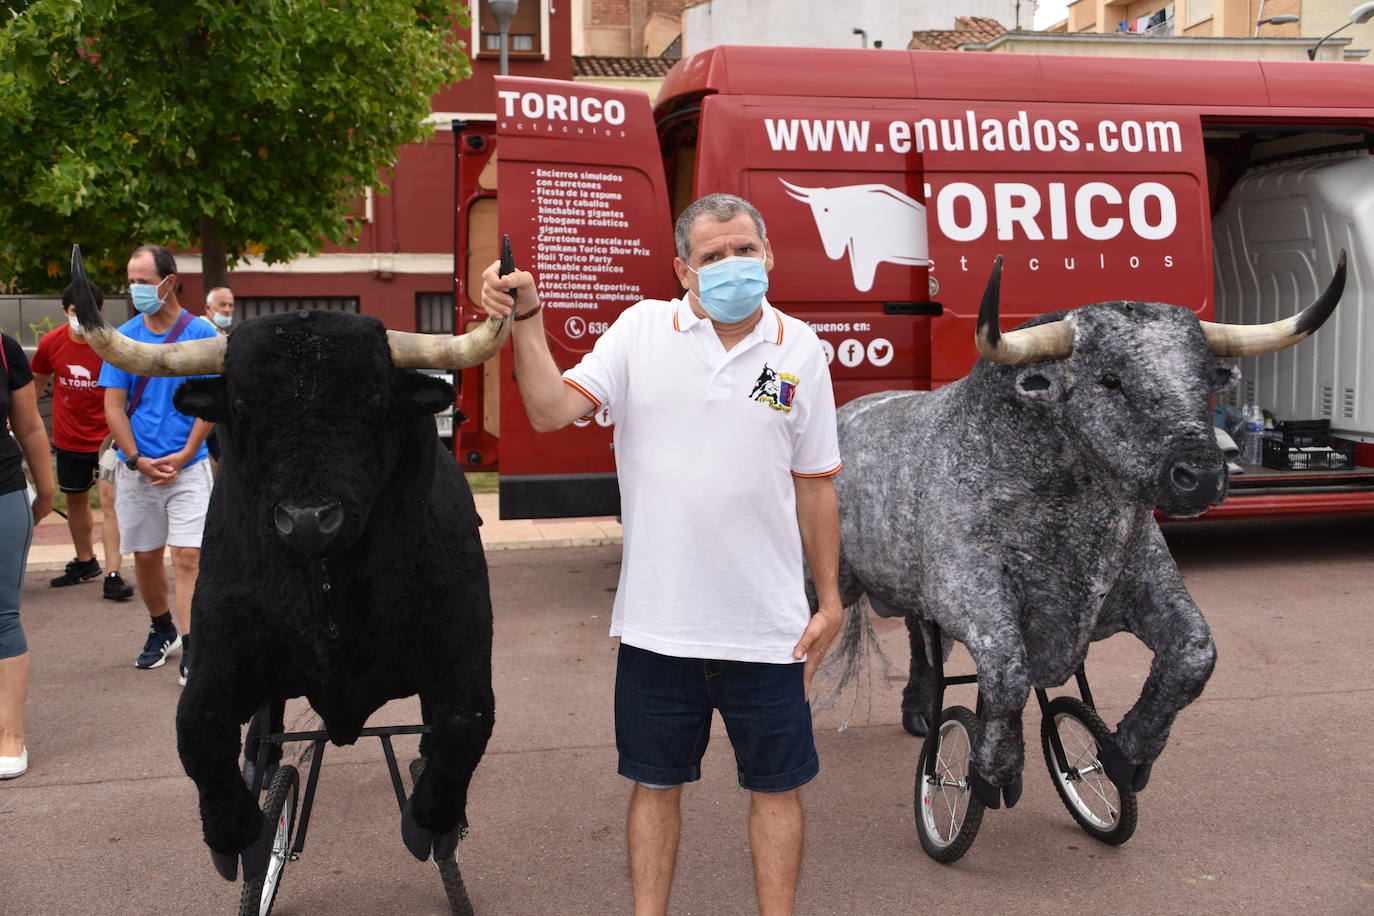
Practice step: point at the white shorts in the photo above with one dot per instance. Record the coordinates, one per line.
(171, 514)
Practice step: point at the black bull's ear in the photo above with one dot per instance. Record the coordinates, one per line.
(207, 398)
(418, 393)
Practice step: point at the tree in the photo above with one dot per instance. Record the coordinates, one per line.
(233, 126)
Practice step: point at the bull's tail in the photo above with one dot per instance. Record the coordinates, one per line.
(847, 661)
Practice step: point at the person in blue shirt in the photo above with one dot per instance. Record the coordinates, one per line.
(162, 487)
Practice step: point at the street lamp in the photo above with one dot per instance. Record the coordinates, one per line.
(1275, 20)
(1358, 16)
(503, 11)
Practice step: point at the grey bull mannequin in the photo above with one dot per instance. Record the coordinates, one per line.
(1014, 509)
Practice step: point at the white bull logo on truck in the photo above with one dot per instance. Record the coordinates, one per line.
(872, 222)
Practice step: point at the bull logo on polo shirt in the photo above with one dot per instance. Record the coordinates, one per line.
(776, 389)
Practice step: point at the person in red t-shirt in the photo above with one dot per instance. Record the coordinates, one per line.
(78, 429)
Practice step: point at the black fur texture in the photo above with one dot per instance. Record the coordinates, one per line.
(387, 597)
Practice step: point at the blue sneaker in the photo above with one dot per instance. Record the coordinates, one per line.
(185, 668)
(157, 647)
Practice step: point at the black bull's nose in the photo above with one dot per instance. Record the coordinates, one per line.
(308, 529)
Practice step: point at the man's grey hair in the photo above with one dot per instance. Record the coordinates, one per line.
(720, 207)
(215, 289)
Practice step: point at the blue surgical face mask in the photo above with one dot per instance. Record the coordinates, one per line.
(144, 296)
(732, 288)
(221, 320)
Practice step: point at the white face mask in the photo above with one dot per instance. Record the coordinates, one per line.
(75, 325)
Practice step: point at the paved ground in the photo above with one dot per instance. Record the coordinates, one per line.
(1261, 804)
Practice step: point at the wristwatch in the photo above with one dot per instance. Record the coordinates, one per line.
(132, 461)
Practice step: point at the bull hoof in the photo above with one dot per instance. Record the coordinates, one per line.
(256, 857)
(1126, 776)
(417, 839)
(445, 846)
(250, 769)
(1011, 794)
(225, 864)
(1142, 777)
(984, 791)
(423, 844)
(915, 723)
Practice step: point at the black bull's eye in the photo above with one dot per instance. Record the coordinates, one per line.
(1109, 381)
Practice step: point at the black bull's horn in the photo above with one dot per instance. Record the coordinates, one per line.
(206, 356)
(1054, 340)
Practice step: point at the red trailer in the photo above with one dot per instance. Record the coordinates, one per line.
(889, 180)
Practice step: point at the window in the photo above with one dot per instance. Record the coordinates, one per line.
(434, 313)
(246, 307)
(526, 34)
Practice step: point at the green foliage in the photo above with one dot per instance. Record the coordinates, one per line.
(484, 481)
(128, 121)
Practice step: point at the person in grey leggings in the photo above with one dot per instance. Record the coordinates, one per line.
(29, 442)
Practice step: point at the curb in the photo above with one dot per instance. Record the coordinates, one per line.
(34, 566)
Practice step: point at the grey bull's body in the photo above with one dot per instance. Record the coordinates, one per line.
(1014, 509)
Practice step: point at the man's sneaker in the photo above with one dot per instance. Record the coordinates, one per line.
(78, 571)
(156, 648)
(185, 667)
(116, 589)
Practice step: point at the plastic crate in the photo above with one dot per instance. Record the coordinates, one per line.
(1316, 453)
(1301, 432)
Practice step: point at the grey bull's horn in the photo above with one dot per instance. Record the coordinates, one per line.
(431, 351)
(183, 357)
(1258, 339)
(1017, 348)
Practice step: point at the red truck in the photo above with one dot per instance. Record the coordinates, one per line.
(889, 180)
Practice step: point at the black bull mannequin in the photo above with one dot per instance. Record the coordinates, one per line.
(341, 559)
(1015, 508)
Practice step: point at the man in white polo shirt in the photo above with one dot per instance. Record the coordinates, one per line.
(725, 447)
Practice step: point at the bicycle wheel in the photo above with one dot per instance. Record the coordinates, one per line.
(1103, 811)
(452, 878)
(282, 796)
(948, 814)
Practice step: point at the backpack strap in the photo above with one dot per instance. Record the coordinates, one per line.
(136, 393)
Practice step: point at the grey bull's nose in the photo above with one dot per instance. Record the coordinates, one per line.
(1198, 485)
(308, 529)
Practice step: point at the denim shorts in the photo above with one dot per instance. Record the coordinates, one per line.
(663, 708)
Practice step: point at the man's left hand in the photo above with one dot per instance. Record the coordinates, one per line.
(815, 642)
(167, 467)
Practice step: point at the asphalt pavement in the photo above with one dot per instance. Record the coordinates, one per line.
(1260, 804)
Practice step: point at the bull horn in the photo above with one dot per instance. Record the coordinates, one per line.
(1236, 340)
(1017, 348)
(183, 357)
(797, 192)
(432, 351)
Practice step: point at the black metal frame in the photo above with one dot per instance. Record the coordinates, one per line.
(262, 719)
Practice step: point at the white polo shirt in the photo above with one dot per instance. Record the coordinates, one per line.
(706, 445)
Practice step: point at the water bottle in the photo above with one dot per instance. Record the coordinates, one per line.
(1252, 449)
